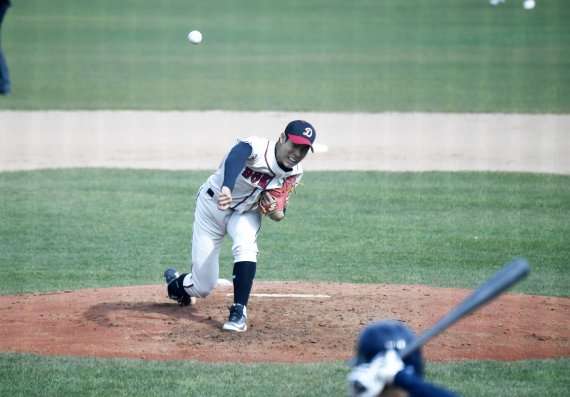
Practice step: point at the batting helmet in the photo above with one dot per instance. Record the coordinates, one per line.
(385, 335)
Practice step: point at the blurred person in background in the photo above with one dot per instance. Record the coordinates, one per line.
(4, 74)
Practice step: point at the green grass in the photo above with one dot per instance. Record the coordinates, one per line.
(441, 229)
(30, 375)
(320, 55)
(488, 378)
(71, 229)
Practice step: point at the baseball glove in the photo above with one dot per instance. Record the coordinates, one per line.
(279, 197)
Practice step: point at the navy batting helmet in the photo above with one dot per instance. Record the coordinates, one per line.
(385, 335)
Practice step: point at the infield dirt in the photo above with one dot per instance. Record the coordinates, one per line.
(140, 322)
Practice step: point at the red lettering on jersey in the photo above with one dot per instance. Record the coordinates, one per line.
(247, 172)
(256, 177)
(264, 181)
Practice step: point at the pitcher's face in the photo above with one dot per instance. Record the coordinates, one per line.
(289, 154)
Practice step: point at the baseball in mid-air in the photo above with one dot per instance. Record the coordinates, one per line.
(195, 37)
(529, 4)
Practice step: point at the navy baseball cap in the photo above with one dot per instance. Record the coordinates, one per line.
(301, 132)
(384, 335)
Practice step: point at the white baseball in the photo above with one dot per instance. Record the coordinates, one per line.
(195, 37)
(529, 4)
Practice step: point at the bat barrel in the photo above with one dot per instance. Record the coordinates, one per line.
(499, 282)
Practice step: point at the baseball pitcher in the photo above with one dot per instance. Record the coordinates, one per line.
(254, 179)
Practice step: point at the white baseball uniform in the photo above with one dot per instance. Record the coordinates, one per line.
(242, 221)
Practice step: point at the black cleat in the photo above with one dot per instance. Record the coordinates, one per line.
(237, 320)
(174, 292)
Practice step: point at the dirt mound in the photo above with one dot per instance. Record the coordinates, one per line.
(288, 322)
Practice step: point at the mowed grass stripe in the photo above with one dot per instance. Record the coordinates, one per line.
(92, 228)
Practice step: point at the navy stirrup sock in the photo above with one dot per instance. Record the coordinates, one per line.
(243, 275)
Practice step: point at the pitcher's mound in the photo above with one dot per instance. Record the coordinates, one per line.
(288, 322)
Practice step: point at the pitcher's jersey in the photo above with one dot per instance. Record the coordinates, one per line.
(261, 173)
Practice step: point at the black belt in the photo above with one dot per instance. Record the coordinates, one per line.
(210, 192)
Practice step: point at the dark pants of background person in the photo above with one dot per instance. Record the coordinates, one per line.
(4, 74)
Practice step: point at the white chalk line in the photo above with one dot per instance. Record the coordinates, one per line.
(310, 296)
(222, 281)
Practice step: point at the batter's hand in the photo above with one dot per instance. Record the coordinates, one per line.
(363, 381)
(224, 198)
(368, 380)
(388, 365)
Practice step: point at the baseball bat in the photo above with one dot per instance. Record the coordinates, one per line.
(495, 285)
